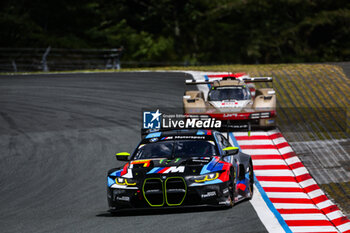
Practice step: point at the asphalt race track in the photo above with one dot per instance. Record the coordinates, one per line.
(58, 137)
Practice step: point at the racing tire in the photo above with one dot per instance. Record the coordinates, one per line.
(232, 188)
(251, 181)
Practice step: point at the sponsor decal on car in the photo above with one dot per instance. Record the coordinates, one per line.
(164, 170)
(189, 137)
(230, 115)
(224, 203)
(225, 191)
(123, 198)
(209, 194)
(153, 139)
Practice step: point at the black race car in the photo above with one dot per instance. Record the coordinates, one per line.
(181, 168)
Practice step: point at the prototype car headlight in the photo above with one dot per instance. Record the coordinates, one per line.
(208, 177)
(260, 115)
(125, 181)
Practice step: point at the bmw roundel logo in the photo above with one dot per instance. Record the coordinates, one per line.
(163, 177)
(153, 139)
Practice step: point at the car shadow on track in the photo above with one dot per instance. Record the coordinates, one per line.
(135, 212)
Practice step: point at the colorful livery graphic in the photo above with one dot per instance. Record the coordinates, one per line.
(181, 168)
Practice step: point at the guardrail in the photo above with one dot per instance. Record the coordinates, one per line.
(57, 59)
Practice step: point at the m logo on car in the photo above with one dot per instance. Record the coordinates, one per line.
(165, 170)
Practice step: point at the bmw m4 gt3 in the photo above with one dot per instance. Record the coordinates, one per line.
(181, 168)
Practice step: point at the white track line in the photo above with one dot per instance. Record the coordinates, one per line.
(266, 216)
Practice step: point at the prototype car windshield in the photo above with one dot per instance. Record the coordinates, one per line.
(228, 93)
(176, 149)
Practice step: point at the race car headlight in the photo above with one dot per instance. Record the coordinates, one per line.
(260, 115)
(208, 177)
(125, 181)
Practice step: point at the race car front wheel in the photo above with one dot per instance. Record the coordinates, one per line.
(232, 187)
(251, 181)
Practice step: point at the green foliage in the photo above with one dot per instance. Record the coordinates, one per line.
(195, 31)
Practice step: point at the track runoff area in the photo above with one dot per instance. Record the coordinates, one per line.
(287, 198)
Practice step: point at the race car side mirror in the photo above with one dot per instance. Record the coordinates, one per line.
(231, 150)
(123, 156)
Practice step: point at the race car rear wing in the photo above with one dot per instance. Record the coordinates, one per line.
(197, 82)
(257, 79)
(245, 79)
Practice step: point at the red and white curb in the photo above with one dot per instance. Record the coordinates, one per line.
(289, 186)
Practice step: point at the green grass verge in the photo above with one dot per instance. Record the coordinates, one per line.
(340, 193)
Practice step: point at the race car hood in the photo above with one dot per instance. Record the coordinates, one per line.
(231, 105)
(180, 166)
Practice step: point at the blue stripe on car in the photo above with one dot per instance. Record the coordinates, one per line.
(207, 79)
(116, 173)
(212, 166)
(153, 135)
(155, 170)
(110, 181)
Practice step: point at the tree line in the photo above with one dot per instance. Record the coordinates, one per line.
(190, 31)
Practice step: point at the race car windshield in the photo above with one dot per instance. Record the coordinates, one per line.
(228, 93)
(176, 149)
